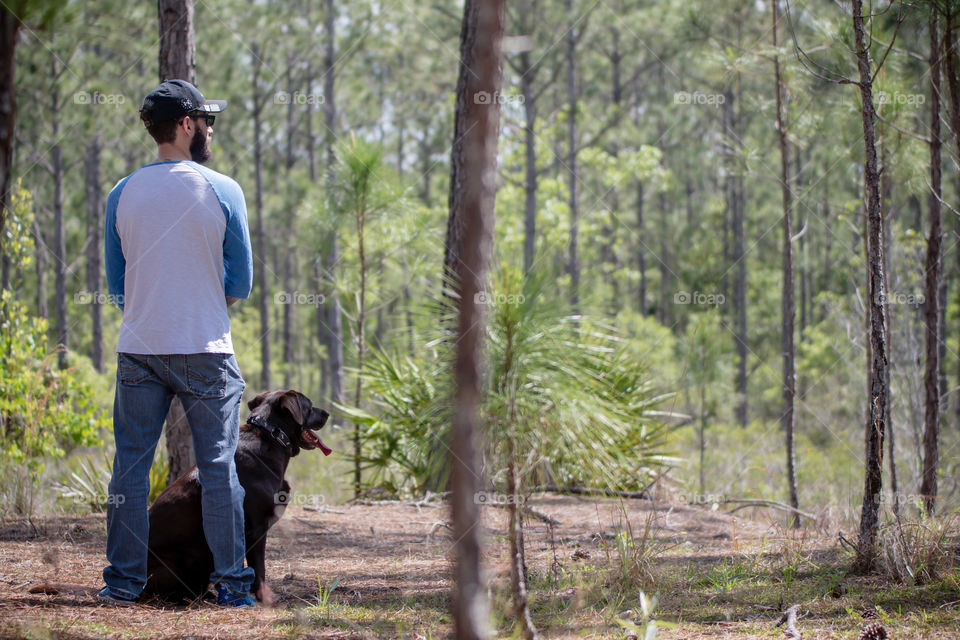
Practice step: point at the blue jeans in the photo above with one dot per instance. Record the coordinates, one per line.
(209, 386)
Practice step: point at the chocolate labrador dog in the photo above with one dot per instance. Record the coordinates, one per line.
(179, 566)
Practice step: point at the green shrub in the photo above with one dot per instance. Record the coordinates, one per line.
(577, 409)
(44, 411)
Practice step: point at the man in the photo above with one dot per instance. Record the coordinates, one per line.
(177, 255)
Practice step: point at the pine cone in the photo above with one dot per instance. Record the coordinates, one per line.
(873, 632)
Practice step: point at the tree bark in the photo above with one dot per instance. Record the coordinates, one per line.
(950, 71)
(878, 401)
(334, 320)
(666, 297)
(263, 293)
(361, 344)
(518, 564)
(177, 60)
(94, 234)
(886, 201)
(40, 250)
(470, 226)
(788, 309)
(290, 245)
(933, 283)
(59, 229)
(9, 27)
(311, 147)
(740, 277)
(573, 258)
(530, 161)
(641, 255)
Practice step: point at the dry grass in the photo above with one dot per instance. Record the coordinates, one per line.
(382, 571)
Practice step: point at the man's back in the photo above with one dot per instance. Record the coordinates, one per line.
(177, 245)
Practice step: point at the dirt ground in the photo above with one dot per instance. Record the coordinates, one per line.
(382, 570)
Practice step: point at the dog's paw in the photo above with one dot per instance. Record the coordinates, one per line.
(266, 595)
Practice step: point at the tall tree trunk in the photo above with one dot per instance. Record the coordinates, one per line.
(609, 251)
(334, 320)
(726, 119)
(530, 162)
(361, 345)
(933, 266)
(177, 60)
(740, 262)
(59, 230)
(703, 440)
(666, 297)
(178, 57)
(518, 564)
(641, 255)
(886, 201)
(40, 250)
(9, 26)
(311, 146)
(290, 246)
(263, 293)
(803, 267)
(94, 234)
(950, 71)
(824, 277)
(470, 225)
(878, 401)
(788, 311)
(573, 258)
(425, 167)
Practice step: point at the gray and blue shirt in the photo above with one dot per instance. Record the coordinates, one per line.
(177, 243)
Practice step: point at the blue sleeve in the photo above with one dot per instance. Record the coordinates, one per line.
(116, 264)
(237, 252)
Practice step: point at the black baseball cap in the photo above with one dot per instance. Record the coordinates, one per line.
(174, 99)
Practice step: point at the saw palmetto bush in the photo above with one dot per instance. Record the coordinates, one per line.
(560, 395)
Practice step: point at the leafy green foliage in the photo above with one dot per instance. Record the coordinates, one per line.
(44, 412)
(576, 410)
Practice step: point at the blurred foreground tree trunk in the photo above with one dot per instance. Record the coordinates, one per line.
(466, 258)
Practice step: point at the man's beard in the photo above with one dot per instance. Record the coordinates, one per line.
(199, 148)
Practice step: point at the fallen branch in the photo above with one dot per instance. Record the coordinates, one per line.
(765, 503)
(323, 509)
(790, 618)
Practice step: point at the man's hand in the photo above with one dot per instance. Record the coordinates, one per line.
(230, 301)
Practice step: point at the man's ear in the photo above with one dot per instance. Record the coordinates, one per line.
(292, 402)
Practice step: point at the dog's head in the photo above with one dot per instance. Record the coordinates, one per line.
(295, 415)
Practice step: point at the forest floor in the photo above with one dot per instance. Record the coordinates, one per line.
(382, 571)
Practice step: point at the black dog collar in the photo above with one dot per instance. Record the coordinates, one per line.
(274, 433)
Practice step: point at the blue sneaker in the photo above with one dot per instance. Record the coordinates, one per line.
(227, 599)
(105, 596)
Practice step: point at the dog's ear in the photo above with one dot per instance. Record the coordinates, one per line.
(257, 400)
(297, 404)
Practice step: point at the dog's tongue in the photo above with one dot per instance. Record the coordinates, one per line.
(315, 440)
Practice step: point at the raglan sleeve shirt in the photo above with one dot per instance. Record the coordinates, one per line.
(237, 252)
(116, 264)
